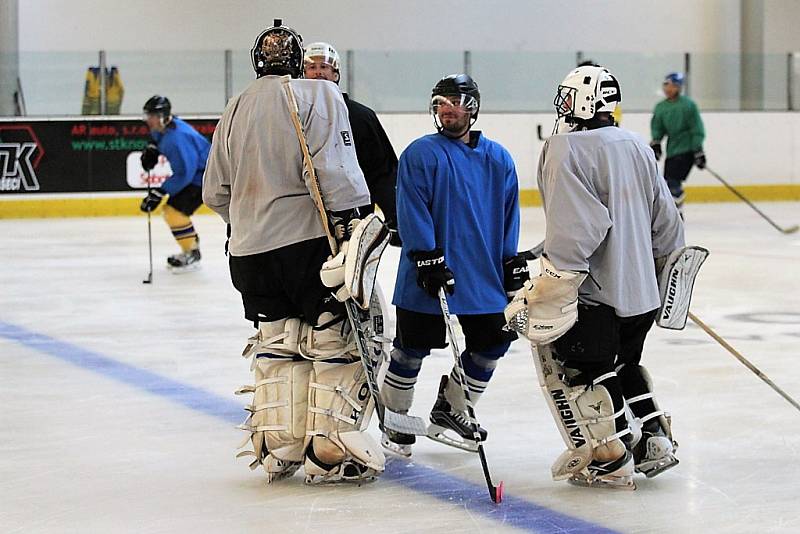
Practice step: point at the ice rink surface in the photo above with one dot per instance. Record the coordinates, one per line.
(118, 414)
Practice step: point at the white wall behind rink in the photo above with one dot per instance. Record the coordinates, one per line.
(745, 148)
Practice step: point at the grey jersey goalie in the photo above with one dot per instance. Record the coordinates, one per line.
(255, 154)
(584, 232)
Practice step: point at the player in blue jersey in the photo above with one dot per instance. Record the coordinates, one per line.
(187, 151)
(458, 218)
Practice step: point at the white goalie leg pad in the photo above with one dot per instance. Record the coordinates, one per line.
(338, 399)
(279, 337)
(584, 415)
(547, 306)
(675, 283)
(277, 420)
(354, 268)
(332, 338)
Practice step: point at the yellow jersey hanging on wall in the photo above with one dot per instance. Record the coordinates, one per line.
(91, 92)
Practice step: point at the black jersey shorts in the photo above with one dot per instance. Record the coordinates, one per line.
(187, 200)
(284, 282)
(415, 330)
(600, 336)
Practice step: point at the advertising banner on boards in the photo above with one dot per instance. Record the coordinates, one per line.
(79, 155)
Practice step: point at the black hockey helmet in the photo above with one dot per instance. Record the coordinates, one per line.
(278, 50)
(458, 84)
(158, 104)
(455, 89)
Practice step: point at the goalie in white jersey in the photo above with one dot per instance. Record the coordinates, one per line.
(310, 399)
(610, 218)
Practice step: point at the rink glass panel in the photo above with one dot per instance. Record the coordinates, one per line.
(400, 81)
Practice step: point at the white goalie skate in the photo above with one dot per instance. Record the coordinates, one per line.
(617, 474)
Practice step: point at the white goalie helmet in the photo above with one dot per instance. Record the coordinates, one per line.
(585, 92)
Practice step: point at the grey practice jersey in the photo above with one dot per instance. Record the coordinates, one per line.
(608, 212)
(254, 176)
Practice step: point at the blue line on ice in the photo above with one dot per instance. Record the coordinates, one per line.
(513, 511)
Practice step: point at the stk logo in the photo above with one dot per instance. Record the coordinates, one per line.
(20, 154)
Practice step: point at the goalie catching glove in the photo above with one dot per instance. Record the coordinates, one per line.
(547, 306)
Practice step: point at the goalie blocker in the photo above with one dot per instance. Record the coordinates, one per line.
(676, 275)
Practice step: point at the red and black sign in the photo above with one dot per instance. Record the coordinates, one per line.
(73, 155)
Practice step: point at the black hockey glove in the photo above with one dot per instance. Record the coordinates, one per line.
(432, 272)
(342, 224)
(152, 200)
(700, 159)
(394, 238)
(656, 149)
(515, 274)
(150, 157)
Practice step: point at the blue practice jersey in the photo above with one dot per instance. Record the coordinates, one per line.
(187, 152)
(465, 201)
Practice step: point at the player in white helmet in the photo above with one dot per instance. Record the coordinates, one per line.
(311, 403)
(609, 220)
(376, 157)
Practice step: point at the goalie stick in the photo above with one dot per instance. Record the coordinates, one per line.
(389, 419)
(495, 492)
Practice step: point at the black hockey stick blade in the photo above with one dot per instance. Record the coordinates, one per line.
(539, 133)
(149, 279)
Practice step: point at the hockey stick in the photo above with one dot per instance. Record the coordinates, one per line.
(790, 230)
(149, 279)
(389, 419)
(539, 133)
(495, 492)
(533, 253)
(744, 360)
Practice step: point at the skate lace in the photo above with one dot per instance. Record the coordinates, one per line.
(460, 418)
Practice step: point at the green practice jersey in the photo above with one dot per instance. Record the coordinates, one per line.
(680, 121)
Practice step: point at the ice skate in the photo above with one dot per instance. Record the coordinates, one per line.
(184, 262)
(397, 442)
(346, 472)
(450, 426)
(278, 469)
(655, 453)
(617, 474)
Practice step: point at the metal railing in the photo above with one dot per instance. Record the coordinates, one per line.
(400, 81)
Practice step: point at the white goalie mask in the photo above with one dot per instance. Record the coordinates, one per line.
(585, 92)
